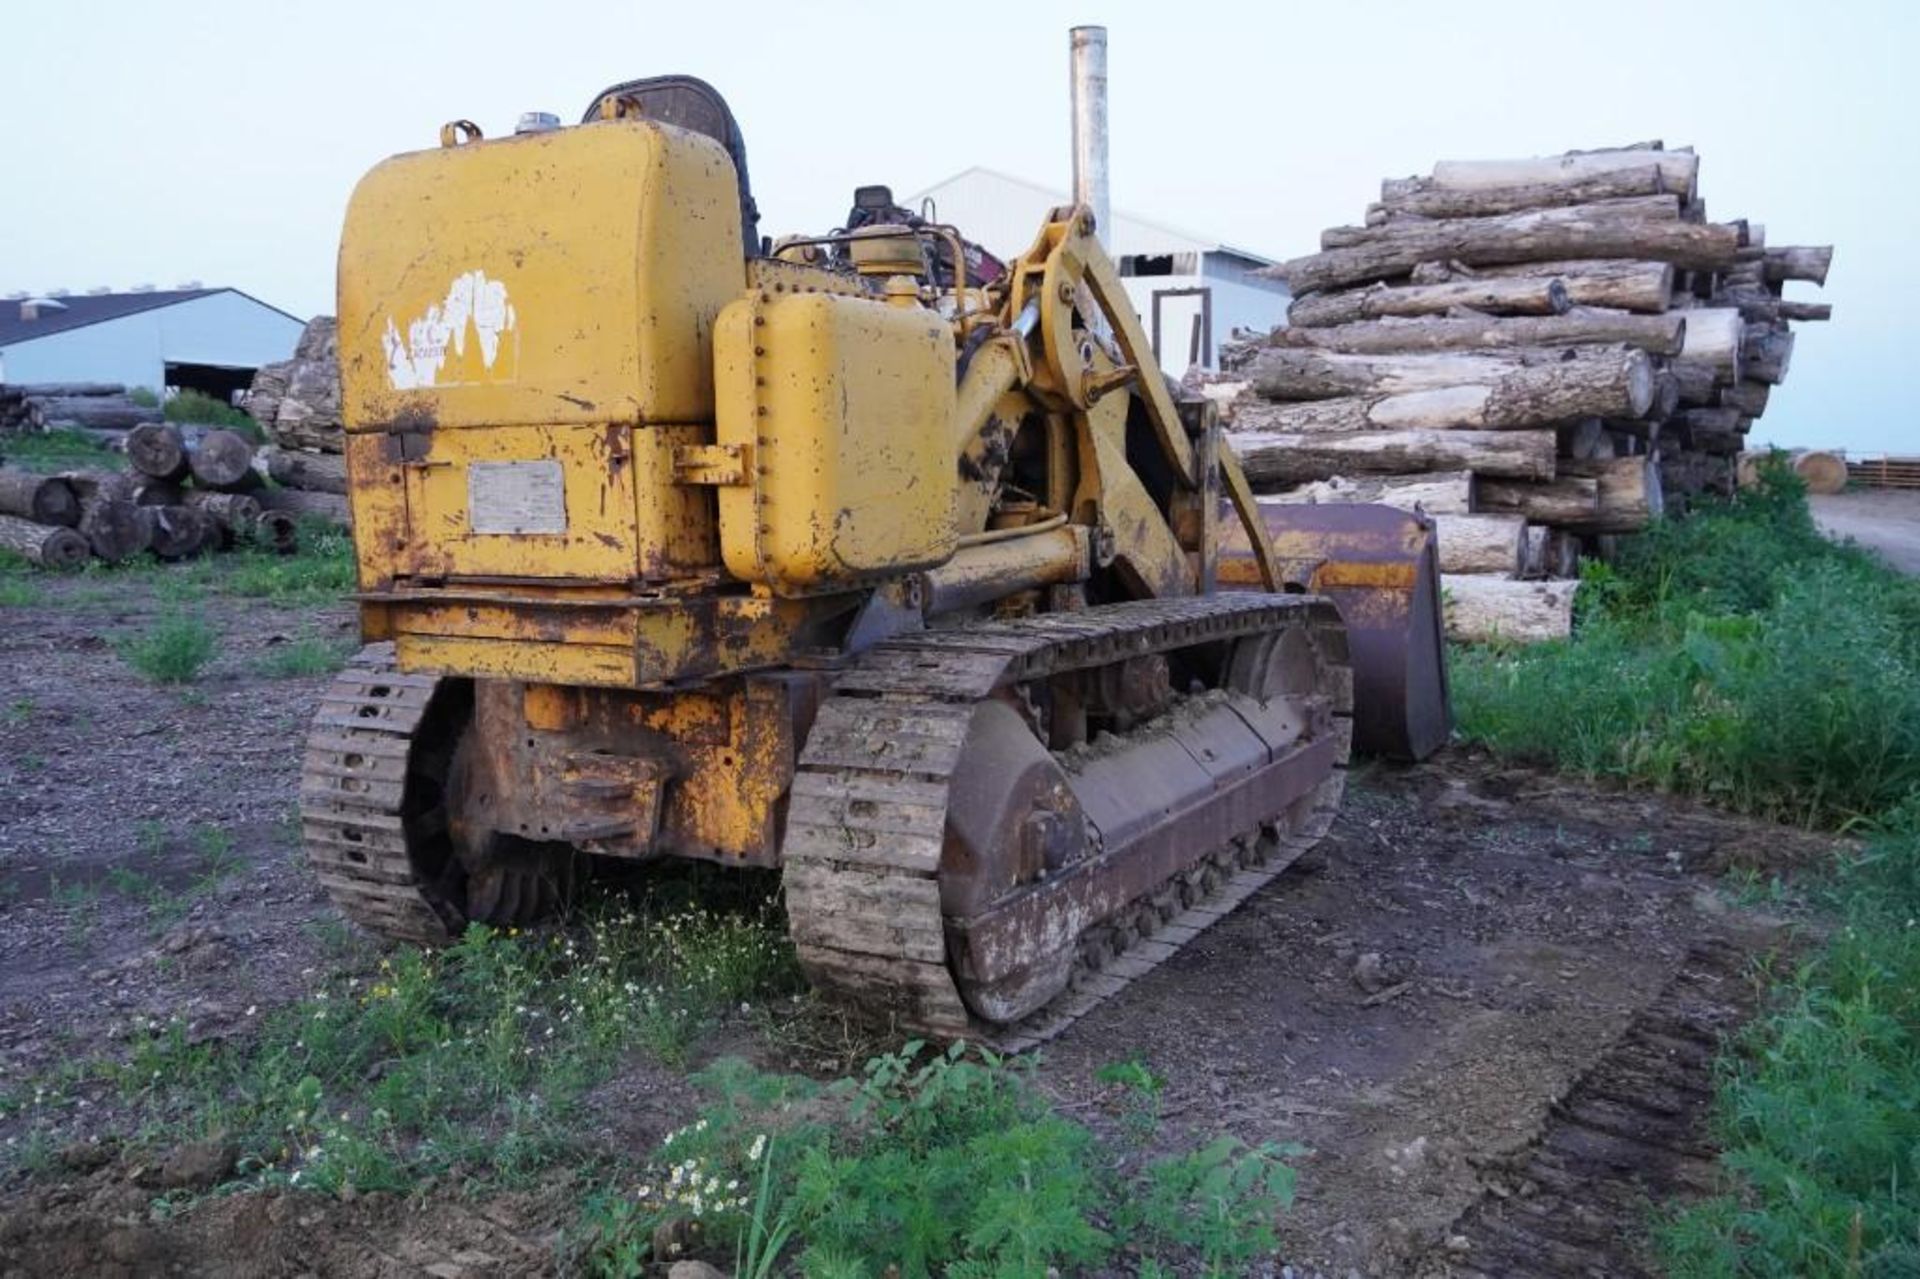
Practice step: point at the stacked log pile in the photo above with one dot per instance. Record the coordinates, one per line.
(1542, 354)
(297, 402)
(100, 409)
(187, 491)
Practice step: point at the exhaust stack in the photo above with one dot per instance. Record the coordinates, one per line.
(1090, 126)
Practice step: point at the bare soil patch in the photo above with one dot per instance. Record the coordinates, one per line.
(1411, 1007)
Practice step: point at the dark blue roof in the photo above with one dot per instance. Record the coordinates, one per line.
(77, 312)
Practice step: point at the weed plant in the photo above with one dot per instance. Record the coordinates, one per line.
(929, 1164)
(174, 650)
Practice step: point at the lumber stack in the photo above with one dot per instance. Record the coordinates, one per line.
(1543, 354)
(187, 491)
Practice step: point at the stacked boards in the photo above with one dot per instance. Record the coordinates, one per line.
(1543, 354)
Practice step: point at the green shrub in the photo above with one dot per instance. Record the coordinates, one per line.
(174, 650)
(144, 396)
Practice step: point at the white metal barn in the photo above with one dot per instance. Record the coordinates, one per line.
(1191, 291)
(207, 340)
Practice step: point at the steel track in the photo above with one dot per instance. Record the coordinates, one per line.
(867, 819)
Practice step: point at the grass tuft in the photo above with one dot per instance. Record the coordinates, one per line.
(307, 656)
(174, 650)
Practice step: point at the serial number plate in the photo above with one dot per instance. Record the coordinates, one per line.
(516, 497)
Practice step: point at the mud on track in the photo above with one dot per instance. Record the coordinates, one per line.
(1421, 1006)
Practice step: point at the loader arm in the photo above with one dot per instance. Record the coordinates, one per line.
(1067, 271)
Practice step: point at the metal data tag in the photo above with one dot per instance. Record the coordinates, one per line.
(516, 497)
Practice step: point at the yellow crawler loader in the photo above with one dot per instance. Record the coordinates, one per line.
(862, 556)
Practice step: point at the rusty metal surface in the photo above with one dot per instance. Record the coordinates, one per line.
(1380, 567)
(867, 839)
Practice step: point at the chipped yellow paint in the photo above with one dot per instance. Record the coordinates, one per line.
(562, 277)
(840, 407)
(624, 643)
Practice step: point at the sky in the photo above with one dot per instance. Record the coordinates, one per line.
(218, 140)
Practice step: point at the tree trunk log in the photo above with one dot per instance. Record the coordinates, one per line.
(278, 531)
(1804, 310)
(1715, 338)
(49, 546)
(234, 516)
(1437, 493)
(1490, 297)
(1769, 352)
(1715, 430)
(301, 502)
(1281, 459)
(181, 531)
(1542, 236)
(44, 499)
(1488, 201)
(1481, 543)
(91, 410)
(1506, 395)
(1799, 262)
(65, 390)
(1824, 472)
(1636, 209)
(319, 472)
(1564, 500)
(1747, 396)
(1630, 496)
(1487, 610)
(158, 449)
(1550, 552)
(1679, 170)
(1654, 334)
(1623, 285)
(222, 460)
(115, 528)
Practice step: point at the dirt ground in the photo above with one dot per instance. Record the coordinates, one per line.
(1410, 1007)
(1883, 520)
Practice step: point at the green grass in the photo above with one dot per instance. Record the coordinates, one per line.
(1819, 1108)
(196, 408)
(473, 1062)
(1738, 656)
(320, 572)
(309, 655)
(62, 449)
(173, 650)
(1742, 657)
(929, 1164)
